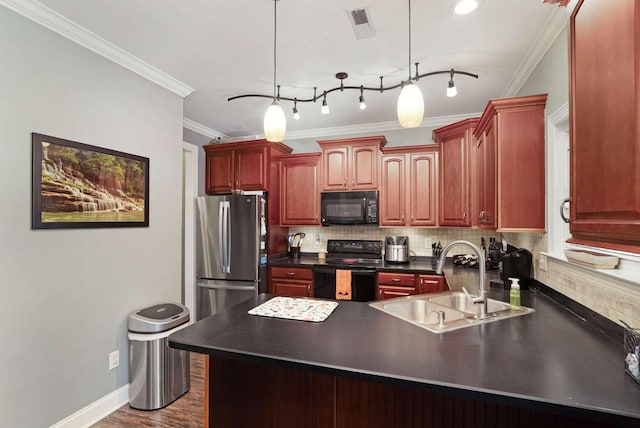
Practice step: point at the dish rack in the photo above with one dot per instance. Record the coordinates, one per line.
(632, 351)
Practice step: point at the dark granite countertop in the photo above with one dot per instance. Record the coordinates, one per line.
(550, 360)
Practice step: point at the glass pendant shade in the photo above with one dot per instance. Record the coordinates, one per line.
(410, 106)
(275, 123)
(451, 90)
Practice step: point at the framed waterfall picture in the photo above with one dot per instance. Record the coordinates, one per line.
(76, 185)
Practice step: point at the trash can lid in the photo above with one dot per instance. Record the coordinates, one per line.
(158, 318)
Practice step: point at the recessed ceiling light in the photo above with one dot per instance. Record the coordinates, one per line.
(462, 7)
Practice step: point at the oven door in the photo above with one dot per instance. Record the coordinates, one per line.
(363, 283)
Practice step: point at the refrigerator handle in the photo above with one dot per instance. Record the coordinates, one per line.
(221, 219)
(228, 237)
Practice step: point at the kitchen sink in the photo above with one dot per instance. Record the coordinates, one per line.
(443, 312)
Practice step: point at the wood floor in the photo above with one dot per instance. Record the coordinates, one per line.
(186, 411)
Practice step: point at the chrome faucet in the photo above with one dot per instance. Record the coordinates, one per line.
(481, 299)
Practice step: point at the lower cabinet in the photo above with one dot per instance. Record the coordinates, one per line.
(390, 285)
(291, 281)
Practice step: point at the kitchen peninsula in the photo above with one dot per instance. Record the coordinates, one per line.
(362, 367)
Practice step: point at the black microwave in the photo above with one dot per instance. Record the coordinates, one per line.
(349, 208)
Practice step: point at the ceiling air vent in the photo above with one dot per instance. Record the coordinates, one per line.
(361, 22)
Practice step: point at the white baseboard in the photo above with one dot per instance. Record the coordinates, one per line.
(96, 410)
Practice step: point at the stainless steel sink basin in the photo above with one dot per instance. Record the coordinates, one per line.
(424, 310)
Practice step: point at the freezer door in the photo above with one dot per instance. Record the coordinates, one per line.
(215, 296)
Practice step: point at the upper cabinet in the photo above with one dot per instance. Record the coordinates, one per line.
(408, 188)
(510, 173)
(351, 164)
(241, 166)
(456, 167)
(604, 127)
(300, 190)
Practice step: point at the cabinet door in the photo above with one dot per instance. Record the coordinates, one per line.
(392, 191)
(250, 169)
(431, 284)
(489, 172)
(220, 172)
(364, 167)
(390, 291)
(299, 190)
(335, 168)
(454, 181)
(605, 130)
(292, 288)
(422, 188)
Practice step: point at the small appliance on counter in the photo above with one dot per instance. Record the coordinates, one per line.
(396, 249)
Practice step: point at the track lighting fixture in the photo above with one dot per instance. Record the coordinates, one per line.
(296, 115)
(325, 108)
(410, 106)
(451, 89)
(275, 123)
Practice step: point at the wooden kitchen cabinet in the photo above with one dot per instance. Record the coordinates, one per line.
(408, 190)
(431, 284)
(511, 165)
(240, 166)
(291, 281)
(604, 102)
(250, 166)
(300, 189)
(456, 166)
(351, 164)
(391, 284)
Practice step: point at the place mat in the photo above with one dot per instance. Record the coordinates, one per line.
(293, 308)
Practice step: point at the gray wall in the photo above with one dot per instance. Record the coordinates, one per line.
(66, 294)
(551, 75)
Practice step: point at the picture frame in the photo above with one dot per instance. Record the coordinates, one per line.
(76, 185)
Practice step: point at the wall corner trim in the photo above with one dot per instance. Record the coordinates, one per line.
(557, 22)
(56, 22)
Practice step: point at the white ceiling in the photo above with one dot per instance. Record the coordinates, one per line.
(222, 48)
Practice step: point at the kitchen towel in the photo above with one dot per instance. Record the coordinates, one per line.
(343, 284)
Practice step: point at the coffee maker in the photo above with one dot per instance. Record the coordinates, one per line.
(517, 263)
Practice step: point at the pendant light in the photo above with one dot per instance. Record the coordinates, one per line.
(275, 122)
(410, 102)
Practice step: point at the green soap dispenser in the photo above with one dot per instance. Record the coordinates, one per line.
(514, 294)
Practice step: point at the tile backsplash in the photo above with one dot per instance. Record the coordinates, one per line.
(611, 298)
(420, 239)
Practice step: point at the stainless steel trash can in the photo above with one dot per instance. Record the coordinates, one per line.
(158, 375)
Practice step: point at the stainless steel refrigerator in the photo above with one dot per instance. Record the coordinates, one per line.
(231, 251)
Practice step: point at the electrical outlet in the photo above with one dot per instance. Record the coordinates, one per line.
(114, 359)
(427, 242)
(542, 263)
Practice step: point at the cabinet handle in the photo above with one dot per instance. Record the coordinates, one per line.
(344, 183)
(291, 273)
(562, 205)
(395, 279)
(309, 289)
(411, 218)
(481, 216)
(403, 217)
(353, 181)
(464, 216)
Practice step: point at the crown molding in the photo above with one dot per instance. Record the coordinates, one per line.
(379, 127)
(558, 22)
(54, 21)
(203, 130)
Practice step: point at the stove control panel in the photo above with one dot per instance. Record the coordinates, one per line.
(354, 246)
